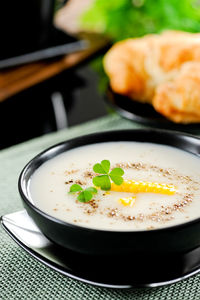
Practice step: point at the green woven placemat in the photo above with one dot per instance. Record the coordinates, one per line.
(21, 276)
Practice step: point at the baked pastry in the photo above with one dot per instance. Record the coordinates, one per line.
(179, 100)
(145, 69)
(125, 66)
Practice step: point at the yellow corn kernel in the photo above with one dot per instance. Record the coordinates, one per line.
(128, 201)
(107, 193)
(131, 186)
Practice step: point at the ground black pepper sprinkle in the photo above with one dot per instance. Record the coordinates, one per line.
(69, 172)
(164, 214)
(89, 174)
(69, 181)
(78, 181)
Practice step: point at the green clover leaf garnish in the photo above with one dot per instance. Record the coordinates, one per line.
(116, 176)
(102, 168)
(103, 181)
(85, 195)
(91, 190)
(75, 188)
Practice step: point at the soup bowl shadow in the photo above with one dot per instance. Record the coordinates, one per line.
(156, 243)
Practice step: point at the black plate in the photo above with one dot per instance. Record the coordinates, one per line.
(143, 113)
(87, 269)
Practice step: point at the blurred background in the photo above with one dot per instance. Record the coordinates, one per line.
(51, 74)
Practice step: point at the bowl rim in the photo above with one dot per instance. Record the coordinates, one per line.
(91, 136)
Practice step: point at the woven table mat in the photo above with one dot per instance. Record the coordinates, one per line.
(21, 276)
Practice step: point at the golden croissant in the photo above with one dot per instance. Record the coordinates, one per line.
(160, 69)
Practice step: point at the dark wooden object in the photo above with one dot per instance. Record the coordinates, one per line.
(14, 80)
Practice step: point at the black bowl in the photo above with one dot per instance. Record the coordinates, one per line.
(172, 240)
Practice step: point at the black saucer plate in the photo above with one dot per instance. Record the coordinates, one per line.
(143, 113)
(98, 272)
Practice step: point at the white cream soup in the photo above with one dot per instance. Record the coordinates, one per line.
(50, 184)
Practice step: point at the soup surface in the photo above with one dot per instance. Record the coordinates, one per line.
(50, 184)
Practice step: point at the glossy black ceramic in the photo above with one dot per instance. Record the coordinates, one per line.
(111, 272)
(143, 113)
(153, 244)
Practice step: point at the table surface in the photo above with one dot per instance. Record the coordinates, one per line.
(21, 276)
